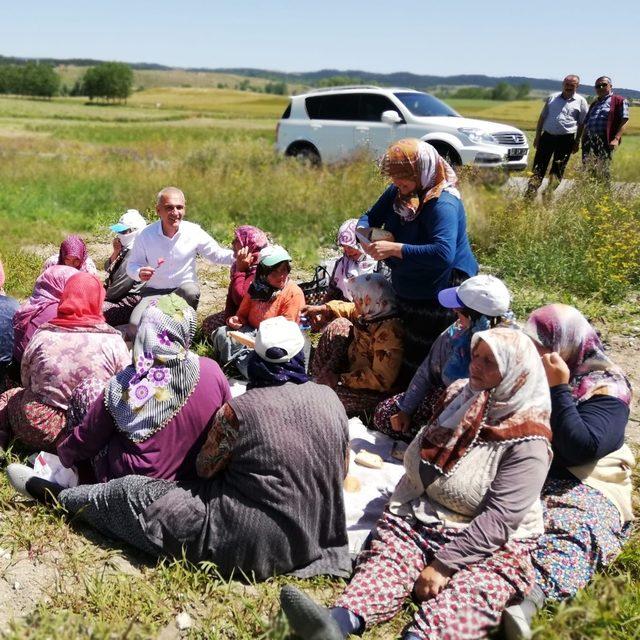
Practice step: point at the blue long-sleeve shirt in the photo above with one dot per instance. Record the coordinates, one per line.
(584, 432)
(435, 243)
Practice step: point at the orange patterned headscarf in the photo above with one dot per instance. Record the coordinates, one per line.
(416, 160)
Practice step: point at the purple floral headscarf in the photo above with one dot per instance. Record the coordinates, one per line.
(74, 247)
(564, 329)
(146, 395)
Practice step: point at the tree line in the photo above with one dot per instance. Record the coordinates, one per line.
(106, 81)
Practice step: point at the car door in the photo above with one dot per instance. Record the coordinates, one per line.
(370, 132)
(331, 121)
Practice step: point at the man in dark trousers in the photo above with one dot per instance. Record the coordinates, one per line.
(603, 127)
(558, 134)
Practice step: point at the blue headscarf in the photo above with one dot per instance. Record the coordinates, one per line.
(262, 373)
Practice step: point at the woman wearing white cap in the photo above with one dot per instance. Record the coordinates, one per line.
(481, 303)
(269, 498)
(122, 292)
(272, 293)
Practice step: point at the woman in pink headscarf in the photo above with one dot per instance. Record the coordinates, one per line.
(41, 307)
(247, 242)
(73, 253)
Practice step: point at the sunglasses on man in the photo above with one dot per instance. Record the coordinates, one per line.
(602, 85)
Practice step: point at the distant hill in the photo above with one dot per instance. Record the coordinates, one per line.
(406, 79)
(401, 78)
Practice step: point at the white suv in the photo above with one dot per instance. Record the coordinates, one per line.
(333, 124)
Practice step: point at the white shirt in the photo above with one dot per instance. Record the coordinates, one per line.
(174, 259)
(562, 117)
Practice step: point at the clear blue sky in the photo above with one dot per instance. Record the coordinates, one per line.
(542, 38)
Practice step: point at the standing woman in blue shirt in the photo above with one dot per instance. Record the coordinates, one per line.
(430, 250)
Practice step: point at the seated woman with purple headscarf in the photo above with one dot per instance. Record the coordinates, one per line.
(246, 245)
(41, 307)
(73, 253)
(153, 416)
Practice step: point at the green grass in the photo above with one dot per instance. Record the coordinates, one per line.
(66, 167)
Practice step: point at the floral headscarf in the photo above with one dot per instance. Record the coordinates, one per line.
(253, 238)
(74, 247)
(564, 329)
(416, 160)
(518, 408)
(146, 395)
(374, 297)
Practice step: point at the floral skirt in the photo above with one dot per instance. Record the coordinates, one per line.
(583, 533)
(468, 607)
(24, 417)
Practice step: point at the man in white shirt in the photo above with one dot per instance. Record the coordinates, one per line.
(164, 255)
(558, 134)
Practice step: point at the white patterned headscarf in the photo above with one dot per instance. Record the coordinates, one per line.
(373, 296)
(146, 395)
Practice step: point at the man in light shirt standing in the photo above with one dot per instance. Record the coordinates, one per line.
(164, 255)
(558, 134)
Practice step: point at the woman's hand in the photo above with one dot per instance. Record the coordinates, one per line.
(400, 422)
(383, 249)
(117, 248)
(431, 581)
(556, 369)
(244, 259)
(233, 322)
(317, 314)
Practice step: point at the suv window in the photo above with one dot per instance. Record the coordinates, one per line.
(372, 105)
(337, 107)
(422, 104)
(287, 112)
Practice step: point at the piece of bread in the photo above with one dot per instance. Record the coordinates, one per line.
(351, 484)
(242, 338)
(368, 459)
(381, 234)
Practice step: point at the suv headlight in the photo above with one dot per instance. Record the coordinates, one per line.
(478, 136)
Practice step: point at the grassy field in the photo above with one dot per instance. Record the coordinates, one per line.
(66, 167)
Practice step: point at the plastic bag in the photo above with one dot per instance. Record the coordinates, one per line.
(48, 467)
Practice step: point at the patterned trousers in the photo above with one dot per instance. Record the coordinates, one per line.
(468, 607)
(582, 534)
(331, 354)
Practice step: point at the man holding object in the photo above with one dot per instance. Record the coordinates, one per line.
(164, 255)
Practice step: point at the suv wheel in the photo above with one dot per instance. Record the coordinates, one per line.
(305, 153)
(447, 152)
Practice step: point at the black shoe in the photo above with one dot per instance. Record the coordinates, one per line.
(308, 620)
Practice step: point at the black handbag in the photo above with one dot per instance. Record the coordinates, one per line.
(317, 289)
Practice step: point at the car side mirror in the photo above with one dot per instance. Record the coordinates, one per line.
(390, 117)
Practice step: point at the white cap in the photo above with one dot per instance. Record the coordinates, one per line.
(130, 219)
(486, 294)
(278, 340)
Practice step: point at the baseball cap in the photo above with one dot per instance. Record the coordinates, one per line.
(486, 294)
(130, 219)
(273, 254)
(278, 340)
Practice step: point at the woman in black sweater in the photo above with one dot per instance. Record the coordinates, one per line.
(587, 495)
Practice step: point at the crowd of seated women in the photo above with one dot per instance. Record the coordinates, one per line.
(516, 458)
